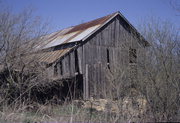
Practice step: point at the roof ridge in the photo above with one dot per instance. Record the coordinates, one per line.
(96, 19)
(92, 22)
(58, 31)
(76, 33)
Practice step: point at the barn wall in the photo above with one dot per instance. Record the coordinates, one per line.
(116, 40)
(106, 52)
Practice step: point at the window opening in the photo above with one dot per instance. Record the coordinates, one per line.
(108, 61)
(132, 55)
(76, 62)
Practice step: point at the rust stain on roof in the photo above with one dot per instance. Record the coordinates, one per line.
(52, 56)
(90, 24)
(71, 34)
(68, 35)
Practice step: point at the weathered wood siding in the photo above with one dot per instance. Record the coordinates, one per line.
(92, 58)
(115, 38)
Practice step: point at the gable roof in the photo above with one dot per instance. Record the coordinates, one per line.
(74, 34)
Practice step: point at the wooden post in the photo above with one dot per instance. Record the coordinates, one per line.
(86, 84)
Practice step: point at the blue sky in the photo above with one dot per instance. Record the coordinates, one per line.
(65, 13)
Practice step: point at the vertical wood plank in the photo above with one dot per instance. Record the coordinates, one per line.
(86, 83)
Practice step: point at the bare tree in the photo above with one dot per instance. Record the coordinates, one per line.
(159, 77)
(20, 69)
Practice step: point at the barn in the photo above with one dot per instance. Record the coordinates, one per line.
(91, 55)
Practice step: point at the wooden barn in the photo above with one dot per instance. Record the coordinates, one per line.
(84, 54)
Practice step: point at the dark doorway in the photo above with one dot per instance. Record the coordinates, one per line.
(73, 89)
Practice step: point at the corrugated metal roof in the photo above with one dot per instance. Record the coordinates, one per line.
(52, 56)
(72, 34)
(68, 35)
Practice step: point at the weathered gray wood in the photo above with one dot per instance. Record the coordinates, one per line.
(87, 84)
(92, 57)
(79, 51)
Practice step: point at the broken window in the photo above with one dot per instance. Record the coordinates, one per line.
(132, 55)
(108, 61)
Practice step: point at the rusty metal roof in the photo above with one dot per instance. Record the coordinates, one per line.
(72, 34)
(68, 35)
(51, 56)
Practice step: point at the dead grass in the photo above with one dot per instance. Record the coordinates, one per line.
(47, 113)
(67, 112)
